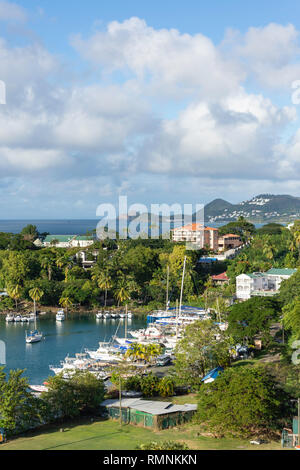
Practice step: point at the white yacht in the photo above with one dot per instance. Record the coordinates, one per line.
(9, 318)
(60, 316)
(150, 332)
(99, 315)
(105, 352)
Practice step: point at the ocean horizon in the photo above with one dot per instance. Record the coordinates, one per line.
(61, 226)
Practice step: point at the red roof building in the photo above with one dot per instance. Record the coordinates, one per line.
(220, 278)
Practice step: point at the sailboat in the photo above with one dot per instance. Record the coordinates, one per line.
(34, 336)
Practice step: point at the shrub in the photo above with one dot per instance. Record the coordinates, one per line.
(149, 385)
(242, 401)
(166, 387)
(164, 445)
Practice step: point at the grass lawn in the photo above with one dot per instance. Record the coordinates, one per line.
(107, 435)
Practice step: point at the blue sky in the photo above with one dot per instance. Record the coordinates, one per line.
(164, 102)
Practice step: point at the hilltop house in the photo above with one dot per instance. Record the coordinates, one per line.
(229, 242)
(220, 279)
(68, 241)
(197, 234)
(261, 284)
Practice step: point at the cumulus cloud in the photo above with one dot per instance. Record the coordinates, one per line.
(11, 12)
(168, 61)
(270, 54)
(180, 108)
(235, 137)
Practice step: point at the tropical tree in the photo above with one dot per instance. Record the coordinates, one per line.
(19, 409)
(47, 264)
(65, 302)
(15, 293)
(105, 283)
(122, 291)
(202, 347)
(35, 294)
(242, 401)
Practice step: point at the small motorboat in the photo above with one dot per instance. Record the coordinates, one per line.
(99, 315)
(60, 316)
(9, 318)
(18, 319)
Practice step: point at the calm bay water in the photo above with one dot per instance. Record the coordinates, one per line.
(54, 227)
(72, 336)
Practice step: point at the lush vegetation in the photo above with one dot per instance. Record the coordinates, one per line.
(20, 410)
(243, 401)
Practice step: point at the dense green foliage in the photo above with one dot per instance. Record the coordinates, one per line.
(19, 409)
(253, 317)
(82, 393)
(202, 347)
(243, 401)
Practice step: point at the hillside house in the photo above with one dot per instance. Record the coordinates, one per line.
(261, 284)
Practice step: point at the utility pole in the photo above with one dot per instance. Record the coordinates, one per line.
(120, 398)
(167, 297)
(176, 320)
(218, 309)
(298, 421)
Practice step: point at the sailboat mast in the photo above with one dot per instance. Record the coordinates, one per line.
(126, 321)
(176, 320)
(167, 298)
(182, 283)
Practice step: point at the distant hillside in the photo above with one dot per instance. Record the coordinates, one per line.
(265, 207)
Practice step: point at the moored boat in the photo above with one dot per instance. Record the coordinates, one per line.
(9, 318)
(60, 316)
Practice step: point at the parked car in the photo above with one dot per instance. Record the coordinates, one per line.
(163, 360)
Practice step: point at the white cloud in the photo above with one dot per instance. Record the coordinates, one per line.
(104, 137)
(168, 61)
(235, 137)
(270, 54)
(11, 12)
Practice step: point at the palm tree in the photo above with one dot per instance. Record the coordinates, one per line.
(152, 351)
(104, 282)
(35, 294)
(47, 263)
(122, 293)
(15, 292)
(65, 302)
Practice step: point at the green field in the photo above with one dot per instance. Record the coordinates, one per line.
(107, 435)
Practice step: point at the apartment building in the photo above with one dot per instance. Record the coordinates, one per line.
(197, 234)
(229, 242)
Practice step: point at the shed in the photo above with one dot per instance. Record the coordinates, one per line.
(152, 414)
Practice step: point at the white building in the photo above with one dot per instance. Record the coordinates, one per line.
(261, 284)
(68, 241)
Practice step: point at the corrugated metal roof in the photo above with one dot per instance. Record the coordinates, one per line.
(147, 406)
(60, 238)
(281, 271)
